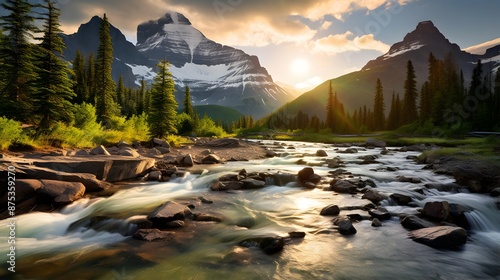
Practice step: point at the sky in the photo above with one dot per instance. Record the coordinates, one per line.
(303, 42)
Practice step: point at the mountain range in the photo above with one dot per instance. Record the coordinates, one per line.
(216, 74)
(357, 89)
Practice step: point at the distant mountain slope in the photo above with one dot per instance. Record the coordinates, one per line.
(358, 88)
(217, 112)
(215, 73)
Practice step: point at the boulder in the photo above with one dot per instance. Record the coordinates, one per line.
(226, 185)
(495, 192)
(153, 235)
(438, 210)
(344, 225)
(321, 153)
(330, 210)
(154, 176)
(122, 144)
(341, 186)
(82, 153)
(187, 160)
(373, 196)
(380, 213)
(400, 199)
(304, 175)
(161, 143)
(440, 237)
(334, 163)
(405, 179)
(269, 245)
(376, 223)
(199, 217)
(250, 183)
(413, 222)
(211, 159)
(224, 143)
(163, 150)
(297, 234)
(271, 154)
(100, 150)
(167, 212)
(175, 224)
(62, 192)
(349, 151)
(370, 142)
(129, 152)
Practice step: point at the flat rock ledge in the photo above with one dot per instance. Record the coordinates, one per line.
(446, 237)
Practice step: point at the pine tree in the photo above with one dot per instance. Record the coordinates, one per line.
(410, 99)
(106, 106)
(91, 79)
(17, 53)
(141, 94)
(496, 101)
(330, 119)
(425, 102)
(54, 87)
(121, 97)
(188, 104)
(475, 89)
(379, 107)
(80, 79)
(162, 112)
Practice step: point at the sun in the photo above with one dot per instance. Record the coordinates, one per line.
(300, 67)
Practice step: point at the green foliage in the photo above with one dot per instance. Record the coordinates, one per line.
(207, 128)
(379, 107)
(163, 106)
(106, 105)
(85, 117)
(188, 104)
(80, 86)
(185, 124)
(17, 54)
(10, 131)
(409, 113)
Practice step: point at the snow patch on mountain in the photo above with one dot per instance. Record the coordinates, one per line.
(142, 72)
(412, 47)
(205, 73)
(189, 34)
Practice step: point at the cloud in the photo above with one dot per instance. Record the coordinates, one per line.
(325, 25)
(339, 43)
(231, 22)
(481, 48)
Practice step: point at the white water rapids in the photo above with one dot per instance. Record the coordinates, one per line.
(46, 249)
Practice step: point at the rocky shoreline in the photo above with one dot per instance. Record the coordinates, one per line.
(438, 224)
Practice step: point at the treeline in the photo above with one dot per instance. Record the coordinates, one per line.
(443, 106)
(39, 88)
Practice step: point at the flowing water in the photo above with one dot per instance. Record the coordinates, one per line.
(57, 246)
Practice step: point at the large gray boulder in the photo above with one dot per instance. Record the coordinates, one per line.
(167, 212)
(413, 222)
(438, 210)
(100, 150)
(344, 225)
(62, 192)
(161, 143)
(440, 237)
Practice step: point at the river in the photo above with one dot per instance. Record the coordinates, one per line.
(53, 246)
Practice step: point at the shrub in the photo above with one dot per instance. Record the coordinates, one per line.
(10, 131)
(184, 124)
(208, 128)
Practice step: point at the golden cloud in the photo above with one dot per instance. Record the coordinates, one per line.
(339, 43)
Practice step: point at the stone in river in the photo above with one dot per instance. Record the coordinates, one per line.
(400, 199)
(167, 212)
(250, 183)
(62, 192)
(380, 213)
(345, 226)
(342, 186)
(297, 234)
(376, 223)
(153, 235)
(199, 217)
(269, 245)
(440, 237)
(330, 210)
(373, 196)
(438, 210)
(413, 222)
(211, 159)
(321, 153)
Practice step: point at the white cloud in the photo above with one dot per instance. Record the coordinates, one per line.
(481, 48)
(325, 25)
(339, 43)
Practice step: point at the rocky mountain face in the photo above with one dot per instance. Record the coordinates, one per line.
(358, 88)
(216, 74)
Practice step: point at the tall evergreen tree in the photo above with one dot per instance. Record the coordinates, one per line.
(188, 104)
(410, 99)
(141, 94)
(475, 89)
(106, 105)
(91, 79)
(496, 101)
(162, 111)
(379, 107)
(80, 86)
(330, 104)
(54, 87)
(425, 102)
(17, 53)
(121, 97)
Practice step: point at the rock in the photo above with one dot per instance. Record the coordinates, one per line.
(88, 180)
(321, 153)
(384, 152)
(122, 144)
(206, 218)
(271, 154)
(373, 196)
(206, 201)
(226, 185)
(376, 223)
(495, 192)
(175, 224)
(129, 153)
(113, 150)
(187, 160)
(391, 169)
(344, 225)
(380, 213)
(211, 159)
(154, 176)
(457, 215)
(405, 179)
(440, 237)
(297, 234)
(81, 153)
(163, 150)
(371, 183)
(368, 159)
(62, 192)
(370, 142)
(304, 174)
(341, 186)
(400, 199)
(269, 245)
(224, 143)
(413, 222)
(250, 183)
(438, 210)
(330, 210)
(349, 151)
(100, 151)
(153, 235)
(161, 143)
(334, 163)
(167, 212)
